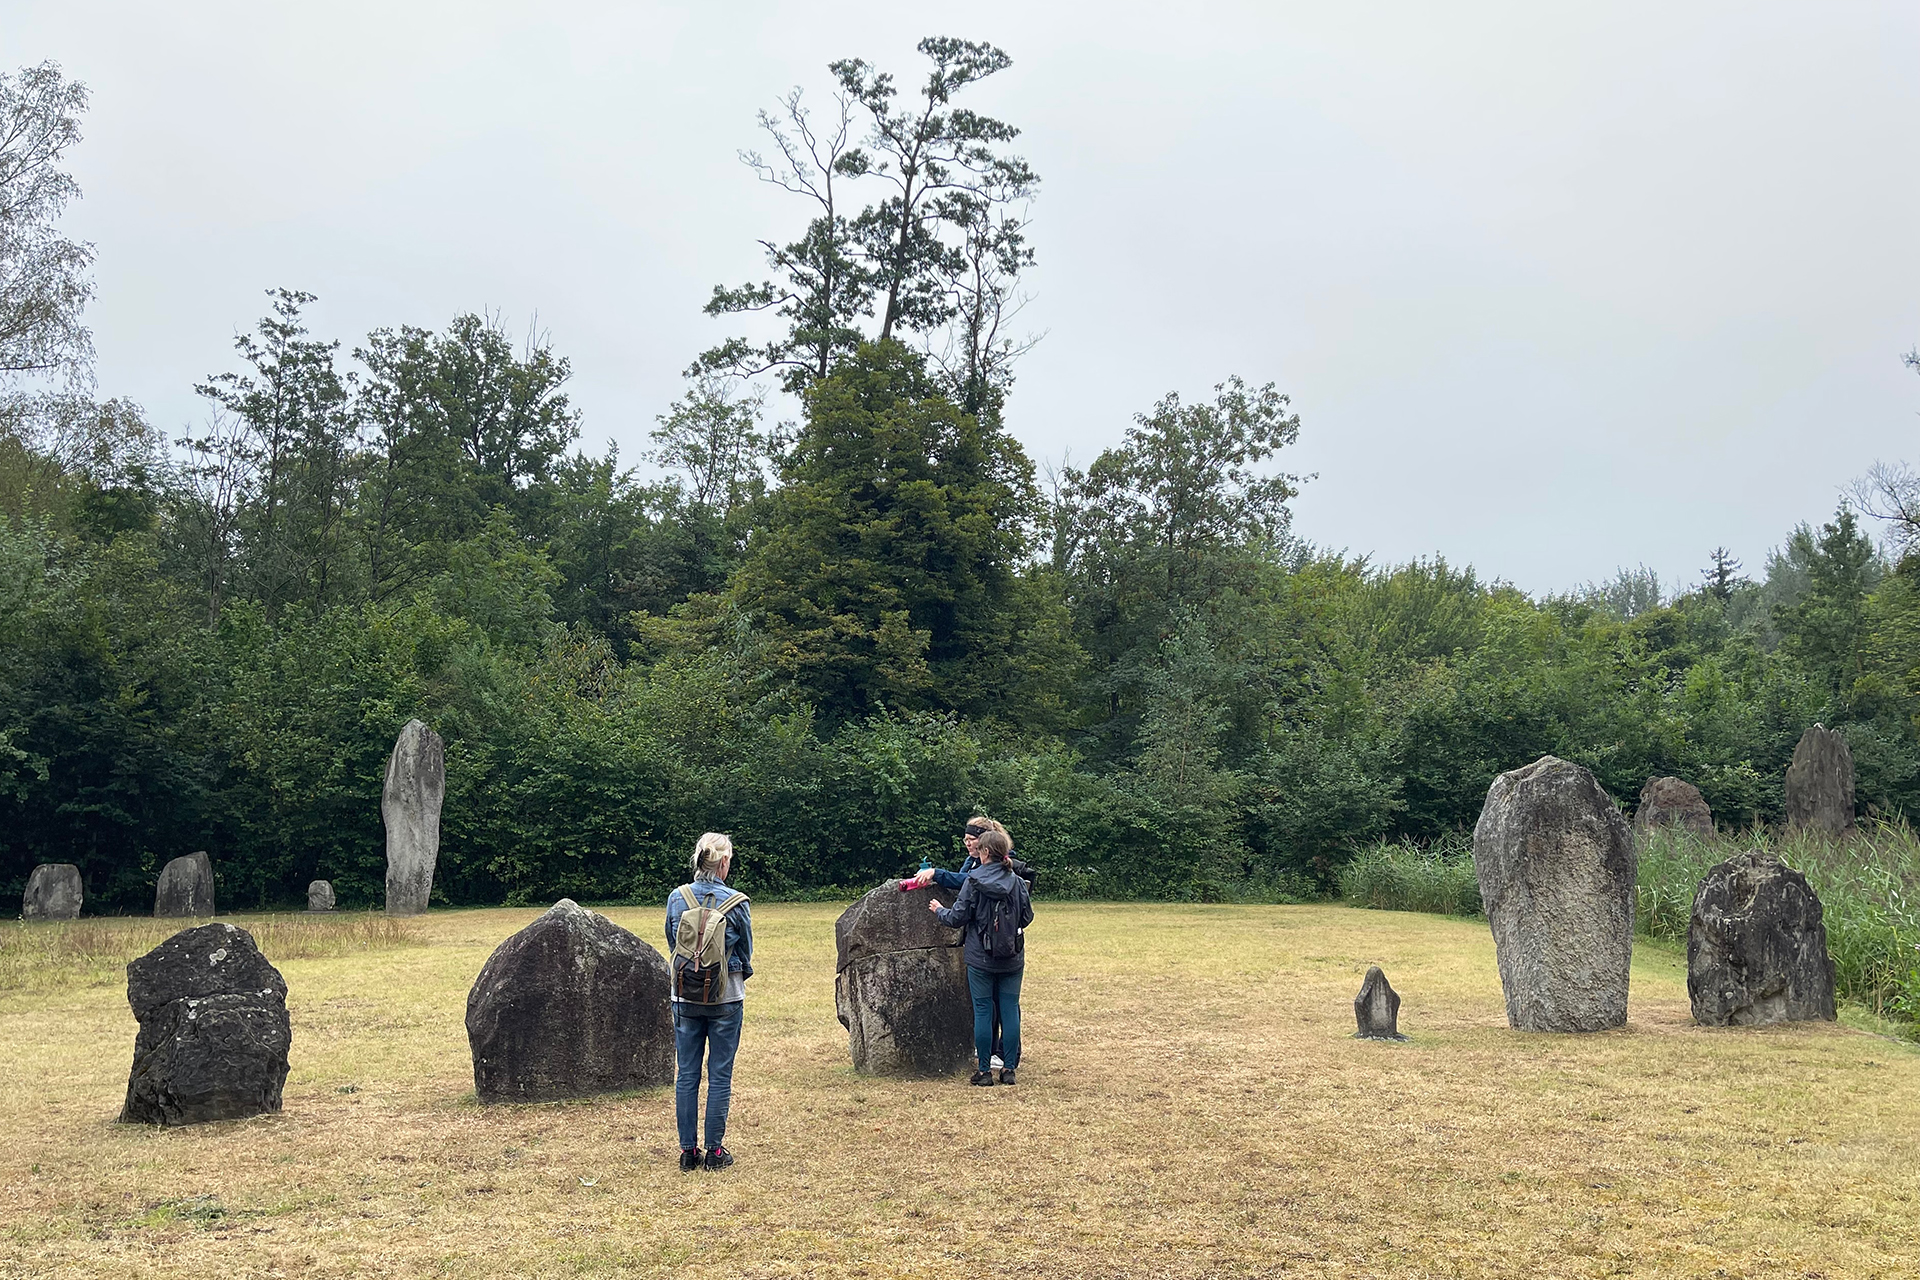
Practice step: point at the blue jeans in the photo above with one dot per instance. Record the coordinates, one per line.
(995, 993)
(716, 1036)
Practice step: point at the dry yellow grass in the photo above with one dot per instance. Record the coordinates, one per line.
(1176, 1117)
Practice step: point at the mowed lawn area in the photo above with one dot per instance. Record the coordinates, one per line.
(1191, 1104)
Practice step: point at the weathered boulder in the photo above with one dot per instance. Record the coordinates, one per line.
(571, 1005)
(185, 888)
(1757, 946)
(901, 987)
(410, 805)
(213, 1034)
(53, 893)
(1820, 783)
(320, 896)
(1377, 1008)
(1669, 802)
(1556, 865)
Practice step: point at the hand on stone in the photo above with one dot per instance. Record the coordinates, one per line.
(933, 904)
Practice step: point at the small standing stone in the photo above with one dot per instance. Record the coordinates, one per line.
(1377, 1008)
(1757, 946)
(410, 805)
(1669, 802)
(53, 893)
(185, 888)
(320, 896)
(571, 1005)
(901, 987)
(1820, 783)
(1556, 865)
(214, 1032)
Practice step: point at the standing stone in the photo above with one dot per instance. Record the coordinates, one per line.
(1669, 802)
(900, 987)
(1757, 946)
(213, 1029)
(1820, 783)
(571, 1005)
(320, 896)
(410, 805)
(1556, 865)
(1377, 1008)
(185, 887)
(53, 893)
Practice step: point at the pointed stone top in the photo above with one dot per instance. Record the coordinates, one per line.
(567, 906)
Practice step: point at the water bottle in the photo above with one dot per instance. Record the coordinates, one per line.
(926, 864)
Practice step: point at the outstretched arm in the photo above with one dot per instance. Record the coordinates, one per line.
(956, 915)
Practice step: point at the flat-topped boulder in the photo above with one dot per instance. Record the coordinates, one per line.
(900, 989)
(1757, 946)
(571, 1005)
(320, 896)
(214, 1032)
(1556, 864)
(185, 888)
(1820, 783)
(53, 893)
(1669, 802)
(410, 800)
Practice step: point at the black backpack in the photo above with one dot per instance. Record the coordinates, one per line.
(1000, 927)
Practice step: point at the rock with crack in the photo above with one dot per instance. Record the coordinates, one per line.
(571, 1005)
(214, 1032)
(901, 987)
(1757, 946)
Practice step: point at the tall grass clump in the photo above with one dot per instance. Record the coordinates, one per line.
(94, 952)
(1404, 876)
(1869, 888)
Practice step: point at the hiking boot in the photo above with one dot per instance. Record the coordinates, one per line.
(689, 1159)
(981, 1077)
(719, 1158)
(1006, 1075)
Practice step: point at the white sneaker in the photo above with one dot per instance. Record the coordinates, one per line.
(995, 1062)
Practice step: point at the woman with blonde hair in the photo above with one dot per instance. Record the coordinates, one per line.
(710, 940)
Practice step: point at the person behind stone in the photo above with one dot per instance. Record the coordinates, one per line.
(992, 911)
(977, 826)
(709, 997)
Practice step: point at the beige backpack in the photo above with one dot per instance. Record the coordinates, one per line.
(700, 949)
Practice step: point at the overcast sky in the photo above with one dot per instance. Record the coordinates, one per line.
(1554, 288)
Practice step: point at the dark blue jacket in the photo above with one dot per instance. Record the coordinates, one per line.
(974, 907)
(953, 880)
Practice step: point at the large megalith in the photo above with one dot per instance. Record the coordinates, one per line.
(410, 805)
(1757, 946)
(213, 1029)
(1820, 783)
(1556, 865)
(1669, 802)
(53, 893)
(571, 1005)
(900, 987)
(320, 895)
(185, 888)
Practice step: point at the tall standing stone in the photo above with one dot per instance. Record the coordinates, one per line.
(1377, 1008)
(1820, 783)
(900, 987)
(320, 896)
(185, 888)
(213, 1034)
(571, 1005)
(1669, 802)
(1556, 864)
(1757, 946)
(410, 805)
(53, 893)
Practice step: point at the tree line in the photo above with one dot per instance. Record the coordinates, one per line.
(833, 638)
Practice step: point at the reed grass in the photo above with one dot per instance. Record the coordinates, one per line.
(1404, 876)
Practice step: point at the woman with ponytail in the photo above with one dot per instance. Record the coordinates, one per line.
(992, 912)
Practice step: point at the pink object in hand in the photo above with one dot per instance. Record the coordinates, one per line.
(908, 886)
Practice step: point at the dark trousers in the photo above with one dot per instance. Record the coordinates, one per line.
(714, 1035)
(996, 997)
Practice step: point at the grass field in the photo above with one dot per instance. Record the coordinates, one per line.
(1180, 1114)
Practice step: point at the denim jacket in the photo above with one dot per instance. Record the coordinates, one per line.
(710, 890)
